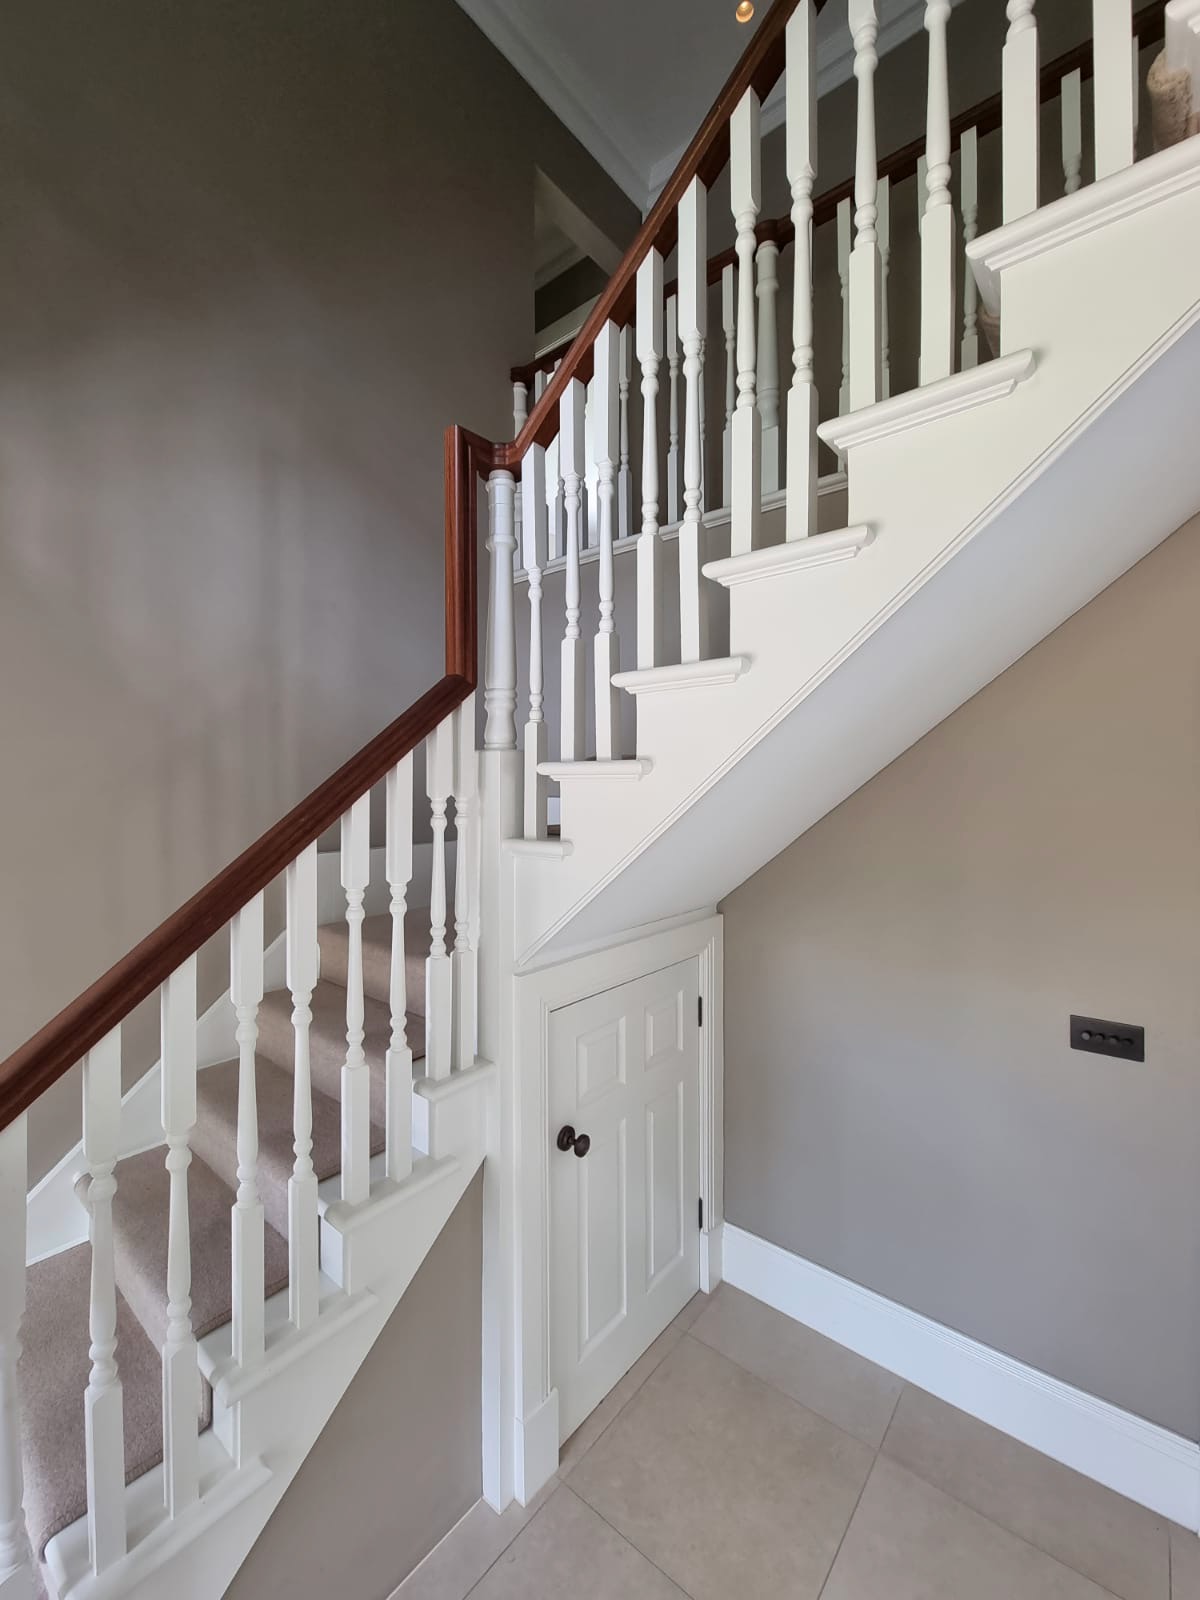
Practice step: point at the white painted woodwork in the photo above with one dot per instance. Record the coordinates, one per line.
(844, 235)
(398, 864)
(1020, 112)
(767, 263)
(625, 470)
(968, 166)
(554, 485)
(800, 84)
(1112, 85)
(500, 683)
(439, 783)
(883, 226)
(866, 287)
(534, 553)
(572, 696)
(693, 317)
(624, 1071)
(650, 607)
(745, 200)
(606, 650)
(464, 962)
(1071, 106)
(938, 322)
(103, 1402)
(303, 957)
(729, 328)
(356, 1075)
(180, 1371)
(673, 461)
(520, 416)
(591, 473)
(246, 992)
(15, 1570)
(703, 386)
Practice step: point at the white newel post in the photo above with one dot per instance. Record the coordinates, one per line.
(745, 195)
(103, 1401)
(180, 1369)
(570, 444)
(968, 160)
(463, 964)
(16, 1579)
(767, 263)
(844, 233)
(1020, 103)
(649, 550)
(303, 969)
(533, 540)
(693, 316)
(500, 681)
(938, 322)
(398, 863)
(673, 512)
(1071, 97)
(800, 85)
(356, 1075)
(625, 472)
(883, 224)
(1112, 85)
(866, 292)
(729, 328)
(439, 783)
(606, 649)
(246, 992)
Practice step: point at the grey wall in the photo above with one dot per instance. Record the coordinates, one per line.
(901, 1104)
(398, 1463)
(256, 256)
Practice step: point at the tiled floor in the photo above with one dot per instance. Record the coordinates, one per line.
(746, 1458)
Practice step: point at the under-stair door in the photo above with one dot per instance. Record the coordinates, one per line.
(625, 1178)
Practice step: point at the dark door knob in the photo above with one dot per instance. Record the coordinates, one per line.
(568, 1139)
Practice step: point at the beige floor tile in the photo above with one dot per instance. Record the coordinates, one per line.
(452, 1568)
(727, 1485)
(692, 1310)
(590, 1429)
(1185, 1564)
(909, 1541)
(568, 1551)
(1118, 1544)
(856, 1395)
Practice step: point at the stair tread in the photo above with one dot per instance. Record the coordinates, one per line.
(334, 939)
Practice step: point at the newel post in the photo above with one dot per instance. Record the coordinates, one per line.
(500, 679)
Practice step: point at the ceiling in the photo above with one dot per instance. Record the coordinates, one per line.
(632, 79)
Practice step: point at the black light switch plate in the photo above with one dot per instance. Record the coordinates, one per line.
(1108, 1038)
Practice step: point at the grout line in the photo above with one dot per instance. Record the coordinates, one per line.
(626, 1540)
(904, 1385)
(528, 1523)
(849, 1525)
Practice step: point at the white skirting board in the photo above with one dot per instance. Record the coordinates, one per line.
(1137, 1459)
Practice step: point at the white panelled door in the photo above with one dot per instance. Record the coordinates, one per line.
(625, 1178)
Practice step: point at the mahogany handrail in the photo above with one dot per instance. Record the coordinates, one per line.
(985, 117)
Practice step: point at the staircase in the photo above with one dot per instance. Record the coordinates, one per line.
(256, 1206)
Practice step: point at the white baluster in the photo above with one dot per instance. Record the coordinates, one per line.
(625, 472)
(693, 315)
(673, 512)
(303, 970)
(356, 1075)
(884, 228)
(866, 289)
(1071, 94)
(745, 194)
(398, 860)
(767, 262)
(649, 551)
(937, 225)
(844, 214)
(570, 441)
(246, 992)
(1112, 85)
(533, 538)
(729, 327)
(520, 417)
(1020, 112)
(103, 1401)
(606, 649)
(554, 545)
(463, 965)
(968, 159)
(439, 780)
(16, 1578)
(591, 476)
(500, 684)
(800, 85)
(180, 1369)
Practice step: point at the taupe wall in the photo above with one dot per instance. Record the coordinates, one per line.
(399, 1461)
(256, 256)
(901, 1104)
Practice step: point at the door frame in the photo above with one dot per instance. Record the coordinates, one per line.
(535, 996)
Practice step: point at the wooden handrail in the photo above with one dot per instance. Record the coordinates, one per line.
(42, 1060)
(985, 117)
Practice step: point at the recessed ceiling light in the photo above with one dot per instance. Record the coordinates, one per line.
(745, 10)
